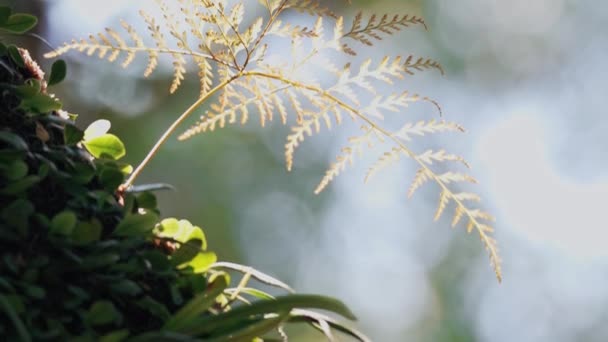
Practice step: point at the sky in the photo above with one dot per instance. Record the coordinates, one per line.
(528, 81)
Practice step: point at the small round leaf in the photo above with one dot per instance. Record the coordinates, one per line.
(58, 72)
(63, 223)
(107, 145)
(19, 23)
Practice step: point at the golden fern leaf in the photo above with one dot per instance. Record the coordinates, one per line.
(422, 128)
(179, 62)
(420, 64)
(459, 211)
(422, 176)
(346, 157)
(444, 199)
(158, 38)
(309, 124)
(391, 103)
(453, 177)
(311, 7)
(374, 27)
(384, 161)
(228, 113)
(431, 156)
(139, 43)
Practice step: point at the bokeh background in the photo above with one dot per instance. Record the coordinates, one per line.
(528, 79)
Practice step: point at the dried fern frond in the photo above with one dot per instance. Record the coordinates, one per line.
(231, 53)
(347, 156)
(374, 27)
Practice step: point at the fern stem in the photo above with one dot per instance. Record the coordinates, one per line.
(482, 234)
(172, 129)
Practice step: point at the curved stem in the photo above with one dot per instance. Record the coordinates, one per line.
(172, 129)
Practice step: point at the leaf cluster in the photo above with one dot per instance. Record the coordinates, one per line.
(81, 259)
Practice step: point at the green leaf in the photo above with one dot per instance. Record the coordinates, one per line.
(16, 170)
(102, 312)
(100, 260)
(44, 169)
(136, 225)
(83, 173)
(115, 336)
(5, 13)
(181, 231)
(196, 306)
(86, 232)
(35, 292)
(146, 200)
(127, 287)
(72, 135)
(58, 72)
(14, 140)
(259, 294)
(20, 186)
(64, 223)
(18, 213)
(157, 261)
(186, 252)
(162, 336)
(15, 55)
(97, 128)
(126, 169)
(150, 187)
(202, 262)
(8, 309)
(154, 307)
(208, 324)
(30, 88)
(40, 104)
(19, 23)
(263, 277)
(111, 178)
(106, 145)
(251, 330)
(315, 318)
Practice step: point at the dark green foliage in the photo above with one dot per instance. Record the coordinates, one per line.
(83, 260)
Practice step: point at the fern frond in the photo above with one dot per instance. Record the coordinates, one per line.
(158, 38)
(391, 103)
(220, 115)
(384, 161)
(346, 157)
(444, 199)
(374, 27)
(309, 124)
(287, 30)
(422, 176)
(430, 156)
(311, 7)
(454, 177)
(420, 64)
(136, 38)
(179, 62)
(422, 128)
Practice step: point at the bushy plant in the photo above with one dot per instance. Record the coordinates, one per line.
(84, 259)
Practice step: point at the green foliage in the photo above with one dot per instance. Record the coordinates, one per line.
(83, 260)
(16, 23)
(58, 72)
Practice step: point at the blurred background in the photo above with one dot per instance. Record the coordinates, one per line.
(527, 79)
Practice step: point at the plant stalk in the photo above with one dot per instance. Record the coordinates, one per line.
(172, 129)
